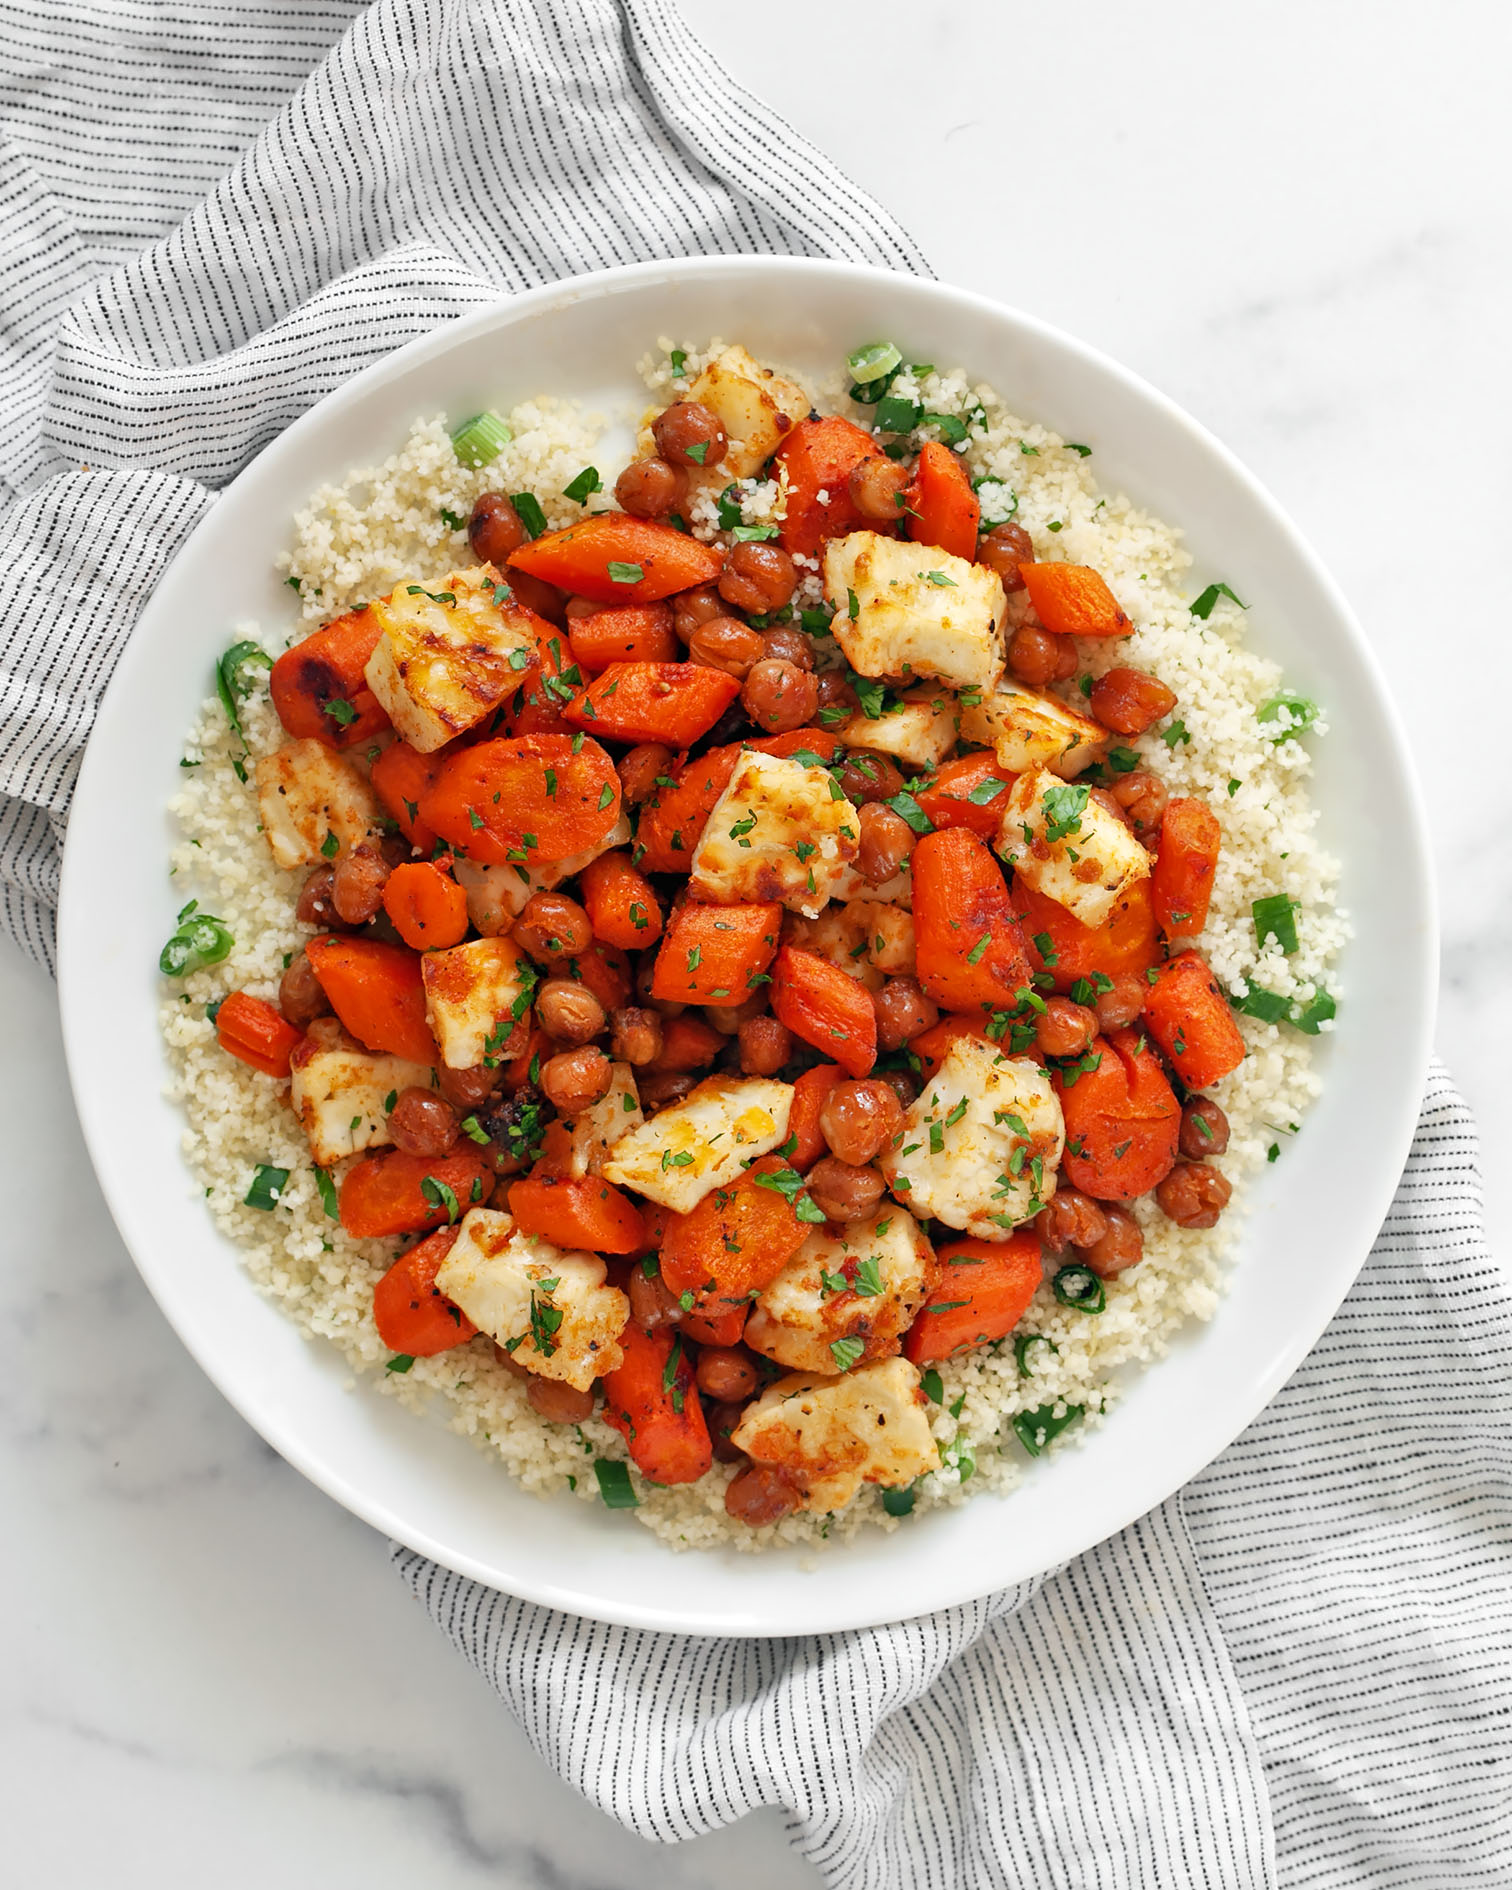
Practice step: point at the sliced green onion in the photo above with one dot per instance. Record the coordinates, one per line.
(231, 682)
(327, 1189)
(896, 415)
(614, 1484)
(1299, 713)
(1268, 1006)
(951, 426)
(1318, 1009)
(899, 1502)
(479, 440)
(531, 516)
(199, 941)
(1021, 1349)
(1081, 1288)
(873, 361)
(1203, 605)
(1038, 1428)
(1276, 917)
(267, 1186)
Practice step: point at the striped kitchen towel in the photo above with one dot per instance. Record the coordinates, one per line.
(1298, 1671)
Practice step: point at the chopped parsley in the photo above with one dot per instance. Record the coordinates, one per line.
(1203, 605)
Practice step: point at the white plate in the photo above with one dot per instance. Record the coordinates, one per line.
(1317, 1210)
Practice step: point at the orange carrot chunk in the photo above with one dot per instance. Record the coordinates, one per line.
(722, 1327)
(652, 1401)
(427, 906)
(526, 799)
(735, 1242)
(395, 1193)
(622, 907)
(412, 1318)
(810, 1094)
(672, 820)
(1189, 1017)
(940, 507)
(716, 954)
(615, 559)
(577, 1212)
(319, 689)
(1065, 948)
(970, 791)
(675, 703)
(256, 1033)
(536, 707)
(376, 991)
(826, 1007)
(688, 1043)
(1122, 1118)
(400, 776)
(985, 1289)
(1073, 601)
(932, 1046)
(642, 633)
(1182, 882)
(818, 457)
(968, 946)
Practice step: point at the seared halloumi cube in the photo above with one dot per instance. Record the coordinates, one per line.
(888, 932)
(840, 935)
(755, 406)
(845, 1297)
(1062, 841)
(314, 804)
(476, 998)
(447, 657)
(920, 727)
(496, 895)
(917, 610)
(1028, 729)
(897, 891)
(550, 1310)
(980, 1143)
(342, 1093)
(832, 1434)
(780, 831)
(706, 1141)
(591, 1135)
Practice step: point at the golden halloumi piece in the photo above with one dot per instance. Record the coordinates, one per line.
(910, 610)
(496, 895)
(477, 997)
(342, 1093)
(858, 1286)
(447, 656)
(832, 1434)
(920, 728)
(781, 831)
(841, 935)
(705, 1141)
(1065, 844)
(314, 804)
(589, 1137)
(1028, 729)
(755, 406)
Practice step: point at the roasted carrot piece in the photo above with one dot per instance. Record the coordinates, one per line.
(395, 1193)
(400, 776)
(818, 457)
(427, 906)
(412, 1318)
(798, 741)
(586, 1212)
(318, 687)
(518, 1069)
(688, 1043)
(376, 991)
(256, 1033)
(524, 798)
(715, 954)
(1122, 1118)
(675, 703)
(1074, 601)
(622, 907)
(826, 1007)
(536, 707)
(810, 1093)
(606, 972)
(1065, 948)
(615, 559)
(984, 1290)
(651, 1400)
(932, 1046)
(715, 1328)
(970, 791)
(1189, 1017)
(642, 633)
(1182, 882)
(736, 1241)
(672, 820)
(968, 945)
(940, 507)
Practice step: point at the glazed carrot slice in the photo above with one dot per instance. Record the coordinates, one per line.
(716, 954)
(395, 1193)
(675, 703)
(826, 1007)
(622, 906)
(941, 508)
(1182, 882)
(736, 1241)
(606, 972)
(427, 906)
(577, 1212)
(1074, 601)
(1065, 948)
(525, 798)
(798, 741)
(412, 1318)
(400, 777)
(688, 1043)
(256, 1033)
(1122, 1118)
(984, 1290)
(715, 1327)
(932, 1046)
(318, 687)
(615, 559)
(810, 1093)
(673, 819)
(968, 944)
(1189, 1017)
(642, 633)
(536, 707)
(377, 992)
(652, 1401)
(817, 457)
(970, 791)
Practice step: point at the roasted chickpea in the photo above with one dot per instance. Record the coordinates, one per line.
(556, 1402)
(574, 1080)
(1129, 700)
(728, 644)
(357, 883)
(835, 692)
(785, 645)
(886, 842)
(495, 528)
(765, 1046)
(551, 926)
(1120, 1005)
(691, 608)
(842, 1192)
(761, 1494)
(727, 1373)
(658, 1088)
(876, 487)
(779, 696)
(315, 907)
(1120, 1247)
(1193, 1195)
(569, 1012)
(652, 1303)
(635, 1036)
(902, 1012)
(721, 1420)
(1064, 1029)
(1003, 550)
(688, 434)
(1070, 1219)
(1204, 1129)
(300, 995)
(757, 578)
(650, 488)
(639, 769)
(903, 1084)
(1143, 798)
(860, 1116)
(865, 775)
(423, 1123)
(1037, 659)
(468, 1089)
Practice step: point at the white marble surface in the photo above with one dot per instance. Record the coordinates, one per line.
(1296, 223)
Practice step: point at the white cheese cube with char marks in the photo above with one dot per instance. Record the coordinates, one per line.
(1061, 840)
(342, 1093)
(477, 999)
(980, 1143)
(308, 796)
(755, 406)
(888, 932)
(897, 891)
(780, 831)
(858, 1287)
(832, 1434)
(590, 1136)
(918, 727)
(448, 656)
(840, 936)
(919, 611)
(706, 1141)
(550, 1309)
(1028, 729)
(496, 895)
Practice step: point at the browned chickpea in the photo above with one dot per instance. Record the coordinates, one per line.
(688, 434)
(779, 696)
(902, 1012)
(842, 1192)
(639, 769)
(510, 1363)
(761, 1494)
(652, 1303)
(650, 488)
(1204, 1129)
(470, 1088)
(757, 578)
(658, 1088)
(300, 995)
(1143, 798)
(315, 907)
(1129, 700)
(1038, 659)
(860, 1116)
(722, 1419)
(1120, 1005)
(1064, 1029)
(1070, 1220)
(1193, 1195)
(865, 775)
(635, 1036)
(835, 692)
(727, 1373)
(785, 645)
(728, 644)
(765, 1045)
(903, 1084)
(495, 528)
(551, 925)
(1003, 550)
(691, 608)
(569, 1011)
(357, 884)
(558, 1403)
(574, 1080)
(423, 1123)
(1121, 1247)
(886, 842)
(876, 487)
